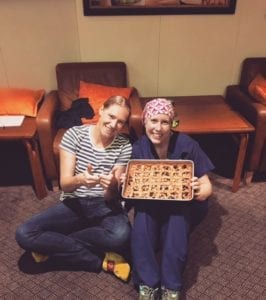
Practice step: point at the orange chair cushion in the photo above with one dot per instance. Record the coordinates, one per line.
(17, 101)
(257, 89)
(98, 94)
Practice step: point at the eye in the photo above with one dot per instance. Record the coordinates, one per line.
(121, 123)
(165, 123)
(112, 117)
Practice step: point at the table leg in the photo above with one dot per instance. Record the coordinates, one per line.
(240, 161)
(248, 177)
(36, 167)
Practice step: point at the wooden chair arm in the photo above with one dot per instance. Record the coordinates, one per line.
(255, 113)
(47, 131)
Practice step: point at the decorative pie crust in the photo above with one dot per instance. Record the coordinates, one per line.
(159, 180)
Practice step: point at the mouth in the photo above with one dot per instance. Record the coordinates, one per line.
(109, 130)
(157, 135)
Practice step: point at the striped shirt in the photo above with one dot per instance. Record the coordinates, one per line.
(77, 140)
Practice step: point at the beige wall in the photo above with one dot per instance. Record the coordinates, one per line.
(34, 36)
(165, 55)
(178, 54)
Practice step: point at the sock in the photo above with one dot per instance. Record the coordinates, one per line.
(116, 264)
(39, 257)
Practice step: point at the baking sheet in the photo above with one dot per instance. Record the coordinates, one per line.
(158, 180)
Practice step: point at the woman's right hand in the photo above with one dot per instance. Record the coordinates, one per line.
(122, 179)
(70, 182)
(87, 178)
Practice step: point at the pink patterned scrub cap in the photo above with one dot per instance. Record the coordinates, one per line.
(158, 106)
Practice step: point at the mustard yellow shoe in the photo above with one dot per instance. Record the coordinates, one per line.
(117, 265)
(39, 258)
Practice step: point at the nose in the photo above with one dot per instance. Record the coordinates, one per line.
(158, 126)
(113, 123)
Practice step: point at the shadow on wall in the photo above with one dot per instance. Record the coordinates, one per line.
(15, 167)
(222, 150)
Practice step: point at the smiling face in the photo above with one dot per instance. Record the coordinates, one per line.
(112, 120)
(158, 129)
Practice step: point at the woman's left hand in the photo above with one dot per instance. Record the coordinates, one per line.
(202, 187)
(109, 181)
(195, 184)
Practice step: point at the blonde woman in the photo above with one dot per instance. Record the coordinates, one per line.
(88, 226)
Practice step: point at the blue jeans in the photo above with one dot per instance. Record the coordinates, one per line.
(76, 232)
(164, 227)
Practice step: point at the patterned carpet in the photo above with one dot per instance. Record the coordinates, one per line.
(226, 258)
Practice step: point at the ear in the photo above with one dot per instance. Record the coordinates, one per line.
(101, 110)
(144, 122)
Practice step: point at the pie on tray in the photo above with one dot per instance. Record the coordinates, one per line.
(158, 180)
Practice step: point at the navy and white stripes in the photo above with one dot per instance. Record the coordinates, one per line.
(77, 140)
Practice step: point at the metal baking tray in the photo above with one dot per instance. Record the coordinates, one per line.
(158, 180)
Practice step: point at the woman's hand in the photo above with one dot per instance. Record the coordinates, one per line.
(108, 181)
(202, 187)
(111, 182)
(122, 179)
(70, 182)
(87, 178)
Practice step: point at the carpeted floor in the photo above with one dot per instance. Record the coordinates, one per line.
(226, 258)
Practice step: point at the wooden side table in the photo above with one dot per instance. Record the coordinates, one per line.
(206, 115)
(27, 133)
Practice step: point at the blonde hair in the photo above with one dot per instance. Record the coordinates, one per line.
(119, 100)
